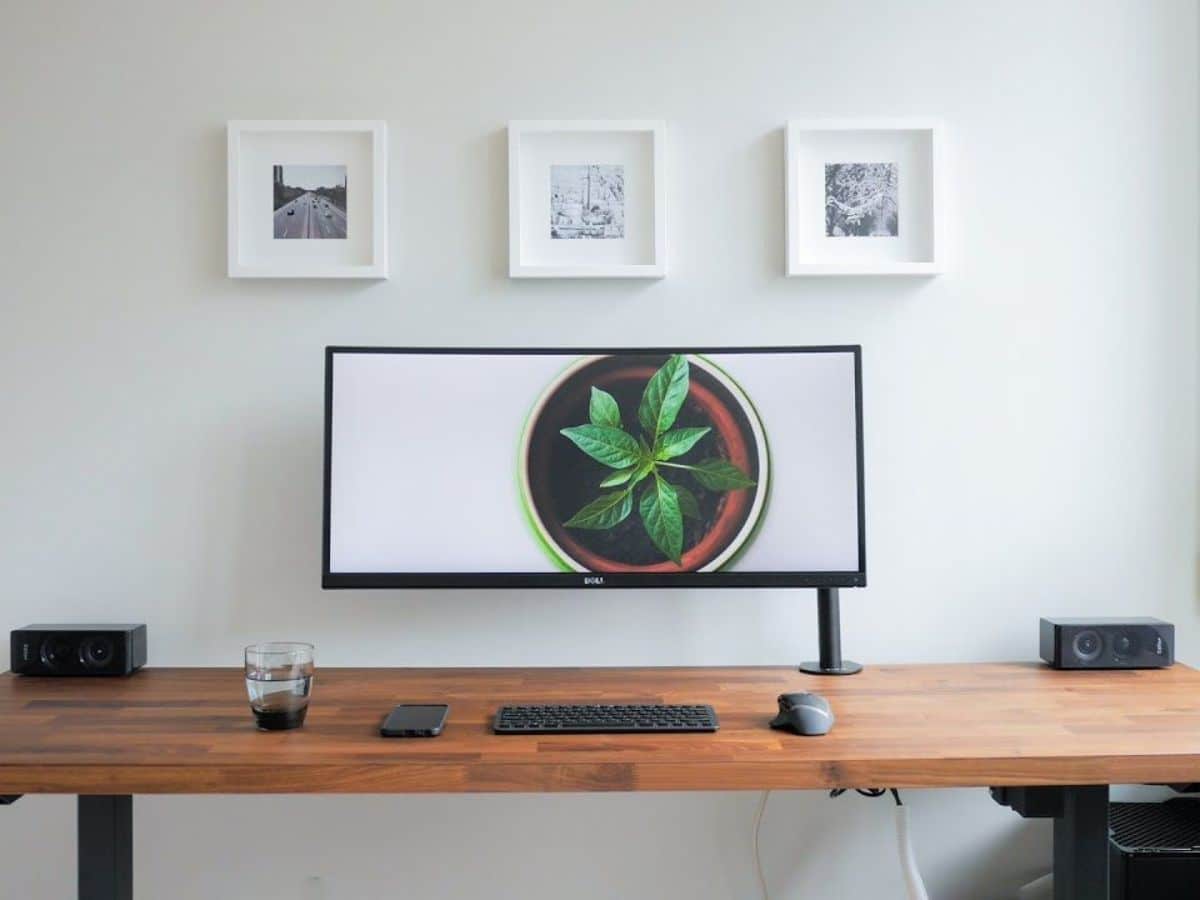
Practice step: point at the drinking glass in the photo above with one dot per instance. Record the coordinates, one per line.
(279, 681)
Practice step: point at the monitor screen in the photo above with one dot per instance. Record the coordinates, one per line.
(602, 468)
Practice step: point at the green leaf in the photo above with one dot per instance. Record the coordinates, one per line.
(720, 475)
(605, 511)
(664, 395)
(688, 504)
(605, 444)
(678, 442)
(603, 409)
(617, 478)
(661, 516)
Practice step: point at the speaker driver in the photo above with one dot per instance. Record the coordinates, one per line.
(96, 652)
(1088, 645)
(56, 652)
(1125, 644)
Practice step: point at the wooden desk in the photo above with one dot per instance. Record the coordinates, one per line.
(188, 731)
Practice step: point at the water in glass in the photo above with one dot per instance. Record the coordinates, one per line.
(279, 682)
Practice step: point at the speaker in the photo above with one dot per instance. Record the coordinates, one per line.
(78, 649)
(1137, 643)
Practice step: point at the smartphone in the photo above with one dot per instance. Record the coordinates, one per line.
(415, 720)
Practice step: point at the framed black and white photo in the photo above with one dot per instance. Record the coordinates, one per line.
(307, 199)
(586, 199)
(863, 197)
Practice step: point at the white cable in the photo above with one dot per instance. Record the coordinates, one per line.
(1038, 889)
(913, 884)
(758, 817)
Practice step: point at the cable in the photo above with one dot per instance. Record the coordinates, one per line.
(913, 884)
(758, 817)
(866, 792)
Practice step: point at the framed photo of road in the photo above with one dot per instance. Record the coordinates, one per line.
(307, 199)
(309, 203)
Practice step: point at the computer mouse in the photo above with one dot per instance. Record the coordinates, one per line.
(803, 714)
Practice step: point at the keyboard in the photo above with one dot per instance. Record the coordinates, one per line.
(596, 719)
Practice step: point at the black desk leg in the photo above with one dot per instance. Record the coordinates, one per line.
(1080, 814)
(106, 847)
(1081, 844)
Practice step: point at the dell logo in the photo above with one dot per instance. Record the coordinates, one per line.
(593, 579)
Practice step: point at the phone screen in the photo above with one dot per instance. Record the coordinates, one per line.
(415, 720)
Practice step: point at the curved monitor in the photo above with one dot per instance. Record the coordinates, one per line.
(598, 468)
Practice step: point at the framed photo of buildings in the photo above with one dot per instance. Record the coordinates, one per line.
(864, 197)
(307, 199)
(587, 199)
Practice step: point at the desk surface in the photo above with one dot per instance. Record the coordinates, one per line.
(189, 731)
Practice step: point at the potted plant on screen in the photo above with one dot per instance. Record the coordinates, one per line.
(665, 474)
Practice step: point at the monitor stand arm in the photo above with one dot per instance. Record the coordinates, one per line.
(829, 637)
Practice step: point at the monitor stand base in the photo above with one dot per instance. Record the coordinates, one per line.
(829, 638)
(814, 667)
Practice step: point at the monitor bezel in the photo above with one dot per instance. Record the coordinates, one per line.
(424, 580)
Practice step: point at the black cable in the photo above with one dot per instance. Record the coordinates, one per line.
(866, 792)
(870, 792)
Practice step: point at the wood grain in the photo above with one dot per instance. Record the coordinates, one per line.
(190, 731)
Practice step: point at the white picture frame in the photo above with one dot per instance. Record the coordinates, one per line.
(902, 233)
(258, 149)
(551, 163)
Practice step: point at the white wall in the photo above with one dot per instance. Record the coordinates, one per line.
(1031, 416)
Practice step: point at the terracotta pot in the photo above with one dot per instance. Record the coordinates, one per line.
(557, 479)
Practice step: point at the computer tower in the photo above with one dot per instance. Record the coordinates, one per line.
(1154, 849)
